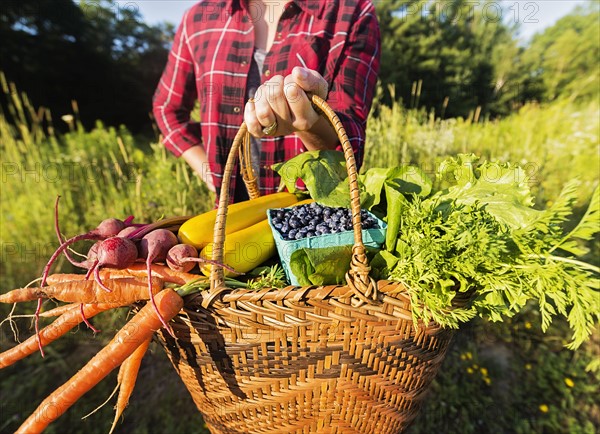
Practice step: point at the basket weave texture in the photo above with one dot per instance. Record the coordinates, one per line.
(330, 359)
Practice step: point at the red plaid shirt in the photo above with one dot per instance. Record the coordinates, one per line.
(211, 56)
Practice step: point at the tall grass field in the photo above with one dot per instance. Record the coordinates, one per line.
(498, 378)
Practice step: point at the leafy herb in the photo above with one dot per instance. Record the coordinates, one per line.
(267, 277)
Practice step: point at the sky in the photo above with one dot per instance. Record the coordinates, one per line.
(531, 15)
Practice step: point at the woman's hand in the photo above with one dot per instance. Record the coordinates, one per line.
(281, 106)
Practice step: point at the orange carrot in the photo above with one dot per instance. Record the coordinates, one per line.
(123, 291)
(50, 333)
(59, 310)
(105, 273)
(126, 380)
(135, 270)
(164, 273)
(132, 335)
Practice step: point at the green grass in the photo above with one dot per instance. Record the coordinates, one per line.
(523, 386)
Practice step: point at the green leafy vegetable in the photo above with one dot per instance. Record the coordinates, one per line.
(481, 235)
(324, 174)
(476, 233)
(321, 266)
(502, 187)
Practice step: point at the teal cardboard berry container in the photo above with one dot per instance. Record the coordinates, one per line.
(374, 237)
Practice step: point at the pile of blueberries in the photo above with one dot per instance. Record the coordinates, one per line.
(312, 219)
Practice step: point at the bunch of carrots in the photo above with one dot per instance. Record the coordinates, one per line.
(128, 263)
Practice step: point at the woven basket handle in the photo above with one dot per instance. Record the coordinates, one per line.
(359, 282)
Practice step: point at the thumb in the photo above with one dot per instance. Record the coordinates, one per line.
(310, 81)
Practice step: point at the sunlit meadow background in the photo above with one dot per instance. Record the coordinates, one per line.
(505, 377)
(498, 378)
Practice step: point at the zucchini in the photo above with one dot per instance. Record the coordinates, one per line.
(199, 231)
(244, 250)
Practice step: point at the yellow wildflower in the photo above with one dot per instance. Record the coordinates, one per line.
(487, 380)
(528, 366)
(544, 408)
(569, 382)
(484, 372)
(528, 325)
(469, 370)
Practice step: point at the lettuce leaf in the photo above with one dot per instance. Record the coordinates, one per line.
(324, 174)
(321, 266)
(502, 188)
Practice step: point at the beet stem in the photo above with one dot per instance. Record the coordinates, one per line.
(149, 260)
(37, 326)
(98, 280)
(62, 247)
(91, 270)
(86, 321)
(61, 239)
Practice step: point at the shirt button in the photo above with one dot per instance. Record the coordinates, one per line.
(236, 109)
(244, 63)
(267, 72)
(279, 35)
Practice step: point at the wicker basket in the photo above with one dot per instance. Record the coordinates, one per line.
(332, 359)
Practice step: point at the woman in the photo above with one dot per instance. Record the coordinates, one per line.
(254, 61)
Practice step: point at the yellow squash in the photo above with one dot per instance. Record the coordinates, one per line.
(244, 250)
(198, 231)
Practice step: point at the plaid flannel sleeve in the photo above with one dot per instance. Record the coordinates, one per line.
(351, 92)
(175, 97)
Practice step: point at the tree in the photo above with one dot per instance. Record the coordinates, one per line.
(563, 59)
(446, 55)
(98, 53)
